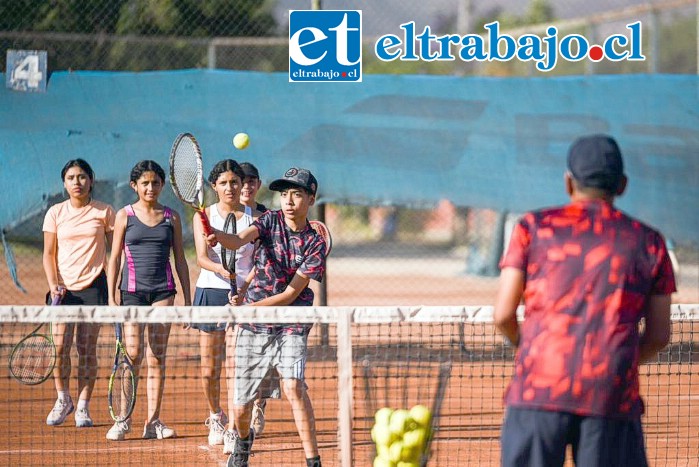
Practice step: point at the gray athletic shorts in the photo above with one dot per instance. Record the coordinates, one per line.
(261, 359)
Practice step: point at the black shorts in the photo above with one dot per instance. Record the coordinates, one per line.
(94, 294)
(144, 298)
(540, 437)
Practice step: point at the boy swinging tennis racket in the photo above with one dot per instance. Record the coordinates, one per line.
(291, 253)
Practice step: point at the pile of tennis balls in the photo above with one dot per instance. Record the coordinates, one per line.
(401, 436)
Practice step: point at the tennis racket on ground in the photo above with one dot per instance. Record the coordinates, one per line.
(33, 358)
(187, 175)
(322, 230)
(122, 382)
(228, 256)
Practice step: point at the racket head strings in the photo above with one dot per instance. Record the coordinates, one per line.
(186, 171)
(122, 392)
(33, 359)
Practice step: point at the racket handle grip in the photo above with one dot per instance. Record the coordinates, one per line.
(56, 299)
(205, 222)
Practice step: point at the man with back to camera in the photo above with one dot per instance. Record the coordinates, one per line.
(588, 274)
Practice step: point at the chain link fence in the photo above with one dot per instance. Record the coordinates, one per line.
(384, 254)
(137, 35)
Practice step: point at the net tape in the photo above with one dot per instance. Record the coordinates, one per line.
(294, 314)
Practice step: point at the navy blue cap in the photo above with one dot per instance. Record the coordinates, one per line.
(295, 176)
(249, 170)
(595, 162)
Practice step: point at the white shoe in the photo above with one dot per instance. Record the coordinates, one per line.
(258, 417)
(157, 430)
(229, 438)
(82, 418)
(119, 430)
(61, 409)
(217, 425)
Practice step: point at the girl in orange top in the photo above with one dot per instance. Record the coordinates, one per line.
(77, 234)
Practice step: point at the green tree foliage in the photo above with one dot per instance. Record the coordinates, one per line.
(678, 46)
(537, 12)
(165, 24)
(194, 18)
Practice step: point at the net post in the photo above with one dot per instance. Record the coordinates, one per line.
(344, 380)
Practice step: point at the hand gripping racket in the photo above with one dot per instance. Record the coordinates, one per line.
(33, 358)
(187, 175)
(322, 230)
(122, 382)
(228, 256)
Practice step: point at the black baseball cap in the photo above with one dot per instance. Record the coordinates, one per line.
(249, 170)
(595, 162)
(302, 178)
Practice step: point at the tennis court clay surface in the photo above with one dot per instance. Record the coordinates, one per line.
(471, 412)
(468, 430)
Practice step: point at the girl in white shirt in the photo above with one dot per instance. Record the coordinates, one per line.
(214, 283)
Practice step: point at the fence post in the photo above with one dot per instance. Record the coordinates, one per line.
(344, 384)
(653, 41)
(592, 37)
(211, 55)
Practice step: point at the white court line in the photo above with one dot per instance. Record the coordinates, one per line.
(85, 451)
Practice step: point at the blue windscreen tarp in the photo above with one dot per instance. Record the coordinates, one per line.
(411, 140)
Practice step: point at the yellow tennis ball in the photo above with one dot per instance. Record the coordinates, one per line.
(382, 435)
(399, 421)
(383, 462)
(241, 140)
(383, 416)
(422, 415)
(415, 438)
(395, 451)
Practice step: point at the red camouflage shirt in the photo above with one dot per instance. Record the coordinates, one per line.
(589, 271)
(279, 255)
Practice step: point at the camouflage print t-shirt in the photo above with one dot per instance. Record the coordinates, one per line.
(280, 254)
(589, 271)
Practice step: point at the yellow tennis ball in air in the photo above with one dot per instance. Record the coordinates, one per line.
(241, 140)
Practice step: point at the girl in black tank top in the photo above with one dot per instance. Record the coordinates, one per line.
(146, 231)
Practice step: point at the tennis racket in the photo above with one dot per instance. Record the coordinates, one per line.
(322, 230)
(122, 382)
(228, 256)
(187, 175)
(33, 358)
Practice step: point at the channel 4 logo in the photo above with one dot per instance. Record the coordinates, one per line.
(325, 46)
